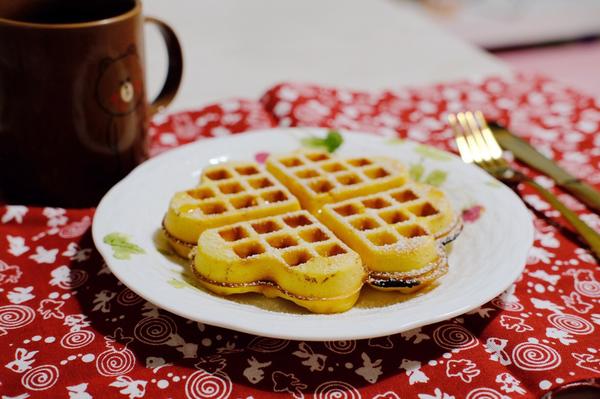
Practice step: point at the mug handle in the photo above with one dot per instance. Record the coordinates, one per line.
(175, 70)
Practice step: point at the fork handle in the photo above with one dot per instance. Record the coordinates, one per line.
(587, 233)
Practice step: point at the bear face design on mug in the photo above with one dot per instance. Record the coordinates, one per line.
(119, 92)
(119, 89)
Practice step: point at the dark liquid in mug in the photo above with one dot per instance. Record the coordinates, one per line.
(65, 11)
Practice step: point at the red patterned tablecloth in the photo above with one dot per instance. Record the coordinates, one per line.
(68, 328)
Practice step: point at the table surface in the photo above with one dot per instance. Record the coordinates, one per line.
(238, 49)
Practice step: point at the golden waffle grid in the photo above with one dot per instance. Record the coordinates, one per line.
(239, 186)
(386, 218)
(294, 238)
(317, 173)
(227, 193)
(225, 190)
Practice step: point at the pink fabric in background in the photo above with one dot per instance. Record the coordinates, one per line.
(576, 64)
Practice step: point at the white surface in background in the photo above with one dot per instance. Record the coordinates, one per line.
(236, 48)
(502, 23)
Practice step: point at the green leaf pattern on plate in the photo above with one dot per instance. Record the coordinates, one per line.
(122, 247)
(183, 280)
(432, 153)
(176, 283)
(436, 178)
(396, 140)
(416, 171)
(331, 142)
(493, 183)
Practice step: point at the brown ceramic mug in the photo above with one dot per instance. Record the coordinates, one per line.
(73, 110)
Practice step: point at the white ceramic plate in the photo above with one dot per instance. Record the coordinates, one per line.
(486, 258)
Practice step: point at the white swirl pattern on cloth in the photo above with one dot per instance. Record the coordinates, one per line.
(336, 390)
(204, 385)
(267, 345)
(115, 362)
(454, 336)
(341, 347)
(40, 378)
(129, 298)
(534, 356)
(155, 330)
(15, 316)
(571, 323)
(77, 339)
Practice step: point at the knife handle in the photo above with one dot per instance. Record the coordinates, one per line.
(586, 193)
(527, 154)
(586, 232)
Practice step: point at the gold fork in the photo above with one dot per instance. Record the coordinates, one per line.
(477, 144)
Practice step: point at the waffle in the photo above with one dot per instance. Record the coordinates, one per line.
(317, 178)
(398, 233)
(424, 205)
(228, 193)
(291, 256)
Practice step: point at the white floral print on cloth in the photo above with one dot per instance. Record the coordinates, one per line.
(71, 329)
(222, 119)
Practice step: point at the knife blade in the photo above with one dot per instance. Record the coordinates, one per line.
(525, 153)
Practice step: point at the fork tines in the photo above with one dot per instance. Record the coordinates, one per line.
(474, 139)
